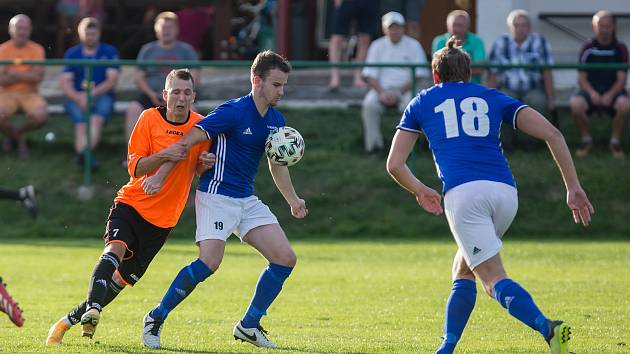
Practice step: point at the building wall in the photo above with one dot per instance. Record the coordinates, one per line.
(491, 22)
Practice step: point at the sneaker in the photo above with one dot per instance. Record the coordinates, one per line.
(151, 332)
(584, 149)
(29, 200)
(558, 340)
(89, 321)
(256, 336)
(616, 151)
(9, 306)
(57, 331)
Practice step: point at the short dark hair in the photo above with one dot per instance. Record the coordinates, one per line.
(268, 60)
(451, 63)
(183, 74)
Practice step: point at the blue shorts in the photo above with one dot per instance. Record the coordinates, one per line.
(102, 105)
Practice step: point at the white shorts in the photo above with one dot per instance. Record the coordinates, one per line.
(219, 216)
(479, 213)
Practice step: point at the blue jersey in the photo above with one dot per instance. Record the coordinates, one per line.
(103, 51)
(462, 122)
(238, 134)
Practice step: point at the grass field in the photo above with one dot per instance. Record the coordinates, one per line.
(344, 297)
(349, 194)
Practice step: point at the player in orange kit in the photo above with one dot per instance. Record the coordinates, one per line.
(139, 223)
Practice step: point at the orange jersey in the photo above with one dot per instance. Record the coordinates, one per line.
(30, 51)
(152, 134)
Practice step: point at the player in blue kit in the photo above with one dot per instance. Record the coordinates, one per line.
(462, 121)
(225, 202)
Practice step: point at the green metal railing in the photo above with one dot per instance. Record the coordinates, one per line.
(89, 65)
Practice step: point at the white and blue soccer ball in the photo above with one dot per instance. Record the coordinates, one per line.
(285, 147)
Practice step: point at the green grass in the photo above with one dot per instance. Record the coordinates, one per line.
(349, 195)
(343, 297)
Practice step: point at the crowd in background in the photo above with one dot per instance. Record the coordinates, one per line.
(180, 36)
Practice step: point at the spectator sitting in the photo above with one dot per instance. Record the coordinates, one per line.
(604, 89)
(389, 87)
(73, 84)
(18, 85)
(150, 80)
(532, 86)
(458, 25)
(365, 13)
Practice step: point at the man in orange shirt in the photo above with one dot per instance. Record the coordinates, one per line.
(139, 223)
(18, 85)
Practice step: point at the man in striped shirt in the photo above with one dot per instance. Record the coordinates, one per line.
(521, 46)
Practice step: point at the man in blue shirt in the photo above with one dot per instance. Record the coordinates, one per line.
(462, 121)
(73, 84)
(225, 202)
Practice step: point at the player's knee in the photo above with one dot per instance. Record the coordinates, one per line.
(211, 262)
(287, 258)
(117, 248)
(623, 105)
(39, 118)
(460, 273)
(578, 104)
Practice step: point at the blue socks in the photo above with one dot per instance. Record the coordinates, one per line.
(520, 304)
(267, 289)
(183, 284)
(459, 306)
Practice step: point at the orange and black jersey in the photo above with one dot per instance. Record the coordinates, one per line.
(152, 133)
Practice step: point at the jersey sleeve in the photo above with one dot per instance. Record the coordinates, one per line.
(67, 68)
(139, 143)
(509, 108)
(420, 58)
(438, 43)
(371, 58)
(479, 50)
(112, 54)
(142, 55)
(410, 120)
(189, 52)
(222, 119)
(40, 53)
(496, 57)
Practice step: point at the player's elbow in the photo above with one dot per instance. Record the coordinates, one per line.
(394, 166)
(553, 135)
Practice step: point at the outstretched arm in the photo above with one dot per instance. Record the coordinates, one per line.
(534, 124)
(403, 143)
(153, 184)
(282, 179)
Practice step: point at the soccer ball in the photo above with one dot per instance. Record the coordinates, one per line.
(285, 147)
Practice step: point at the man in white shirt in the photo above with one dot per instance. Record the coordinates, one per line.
(389, 87)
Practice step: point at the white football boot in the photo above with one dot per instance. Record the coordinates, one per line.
(151, 332)
(256, 336)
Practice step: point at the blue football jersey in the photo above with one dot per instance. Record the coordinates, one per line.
(462, 122)
(238, 134)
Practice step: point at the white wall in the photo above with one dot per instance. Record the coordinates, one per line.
(492, 15)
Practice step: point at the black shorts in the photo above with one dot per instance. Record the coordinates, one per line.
(365, 13)
(142, 240)
(610, 110)
(145, 101)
